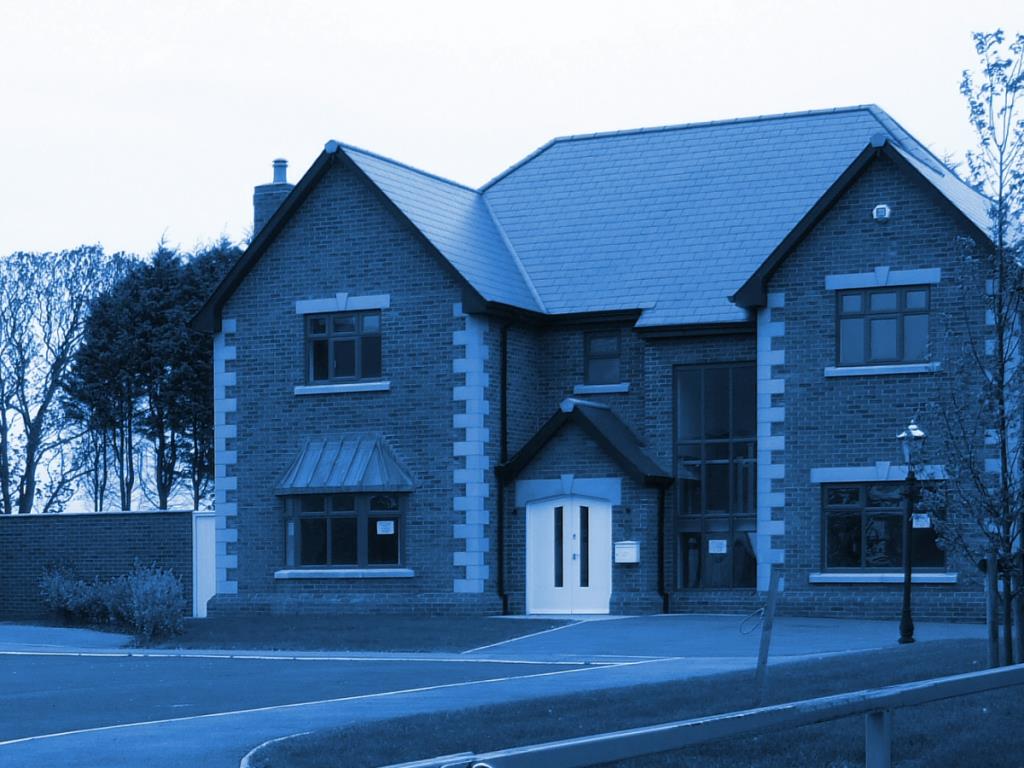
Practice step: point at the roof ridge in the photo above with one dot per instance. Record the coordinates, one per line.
(888, 122)
(676, 127)
(406, 166)
(515, 256)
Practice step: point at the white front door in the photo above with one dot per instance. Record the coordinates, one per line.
(568, 556)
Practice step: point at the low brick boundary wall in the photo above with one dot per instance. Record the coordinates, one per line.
(101, 544)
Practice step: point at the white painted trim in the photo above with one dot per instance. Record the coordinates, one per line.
(342, 302)
(345, 573)
(879, 472)
(607, 488)
(835, 371)
(883, 277)
(868, 577)
(600, 389)
(204, 560)
(335, 389)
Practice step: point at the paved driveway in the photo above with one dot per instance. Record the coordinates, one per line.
(713, 637)
(79, 699)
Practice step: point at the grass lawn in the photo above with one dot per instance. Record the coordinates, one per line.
(981, 730)
(353, 633)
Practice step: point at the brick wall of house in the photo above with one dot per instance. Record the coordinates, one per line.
(853, 421)
(100, 545)
(344, 238)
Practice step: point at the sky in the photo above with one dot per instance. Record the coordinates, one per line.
(122, 123)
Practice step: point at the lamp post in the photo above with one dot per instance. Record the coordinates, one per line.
(910, 439)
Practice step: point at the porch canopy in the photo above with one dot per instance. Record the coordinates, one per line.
(606, 429)
(353, 462)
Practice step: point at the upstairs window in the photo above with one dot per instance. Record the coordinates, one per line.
(883, 326)
(343, 346)
(602, 358)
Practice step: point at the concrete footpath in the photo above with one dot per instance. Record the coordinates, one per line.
(83, 700)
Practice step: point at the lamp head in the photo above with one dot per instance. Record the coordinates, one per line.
(910, 439)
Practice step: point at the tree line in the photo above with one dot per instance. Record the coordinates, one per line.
(106, 394)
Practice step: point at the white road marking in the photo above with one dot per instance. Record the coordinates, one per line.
(245, 763)
(296, 705)
(255, 657)
(524, 637)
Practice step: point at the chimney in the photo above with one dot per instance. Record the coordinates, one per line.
(267, 198)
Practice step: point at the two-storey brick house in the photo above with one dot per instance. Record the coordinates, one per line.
(631, 373)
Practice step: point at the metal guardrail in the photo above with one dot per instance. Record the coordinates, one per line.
(875, 704)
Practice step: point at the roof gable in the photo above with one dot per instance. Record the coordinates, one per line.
(601, 424)
(972, 208)
(458, 223)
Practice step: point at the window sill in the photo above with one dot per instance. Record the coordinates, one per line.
(880, 370)
(600, 389)
(332, 389)
(345, 573)
(882, 578)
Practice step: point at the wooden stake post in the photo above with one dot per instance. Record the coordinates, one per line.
(761, 681)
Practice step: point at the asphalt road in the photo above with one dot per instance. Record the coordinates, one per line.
(96, 710)
(96, 706)
(55, 694)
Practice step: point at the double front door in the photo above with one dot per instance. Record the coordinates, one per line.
(568, 556)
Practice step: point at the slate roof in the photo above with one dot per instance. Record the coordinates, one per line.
(457, 222)
(668, 220)
(671, 221)
(349, 463)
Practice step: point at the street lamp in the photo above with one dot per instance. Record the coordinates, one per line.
(910, 441)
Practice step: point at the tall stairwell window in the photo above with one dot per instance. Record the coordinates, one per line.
(715, 465)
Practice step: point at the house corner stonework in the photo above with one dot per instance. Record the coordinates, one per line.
(469, 394)
(225, 431)
(771, 440)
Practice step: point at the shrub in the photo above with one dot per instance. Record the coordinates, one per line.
(60, 590)
(149, 601)
(156, 603)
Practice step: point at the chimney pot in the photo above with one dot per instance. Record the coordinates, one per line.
(280, 171)
(267, 198)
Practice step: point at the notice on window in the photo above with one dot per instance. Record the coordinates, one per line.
(385, 527)
(717, 546)
(922, 520)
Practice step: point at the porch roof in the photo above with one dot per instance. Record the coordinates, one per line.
(606, 429)
(350, 463)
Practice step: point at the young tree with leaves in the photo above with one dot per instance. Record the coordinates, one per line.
(985, 493)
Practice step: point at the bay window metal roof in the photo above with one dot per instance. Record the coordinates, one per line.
(352, 462)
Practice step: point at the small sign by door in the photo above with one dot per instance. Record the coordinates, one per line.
(385, 527)
(922, 520)
(717, 546)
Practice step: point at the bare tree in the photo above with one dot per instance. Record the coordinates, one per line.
(46, 298)
(985, 494)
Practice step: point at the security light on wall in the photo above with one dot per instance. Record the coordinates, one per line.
(881, 213)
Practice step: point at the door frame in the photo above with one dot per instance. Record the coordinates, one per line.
(566, 500)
